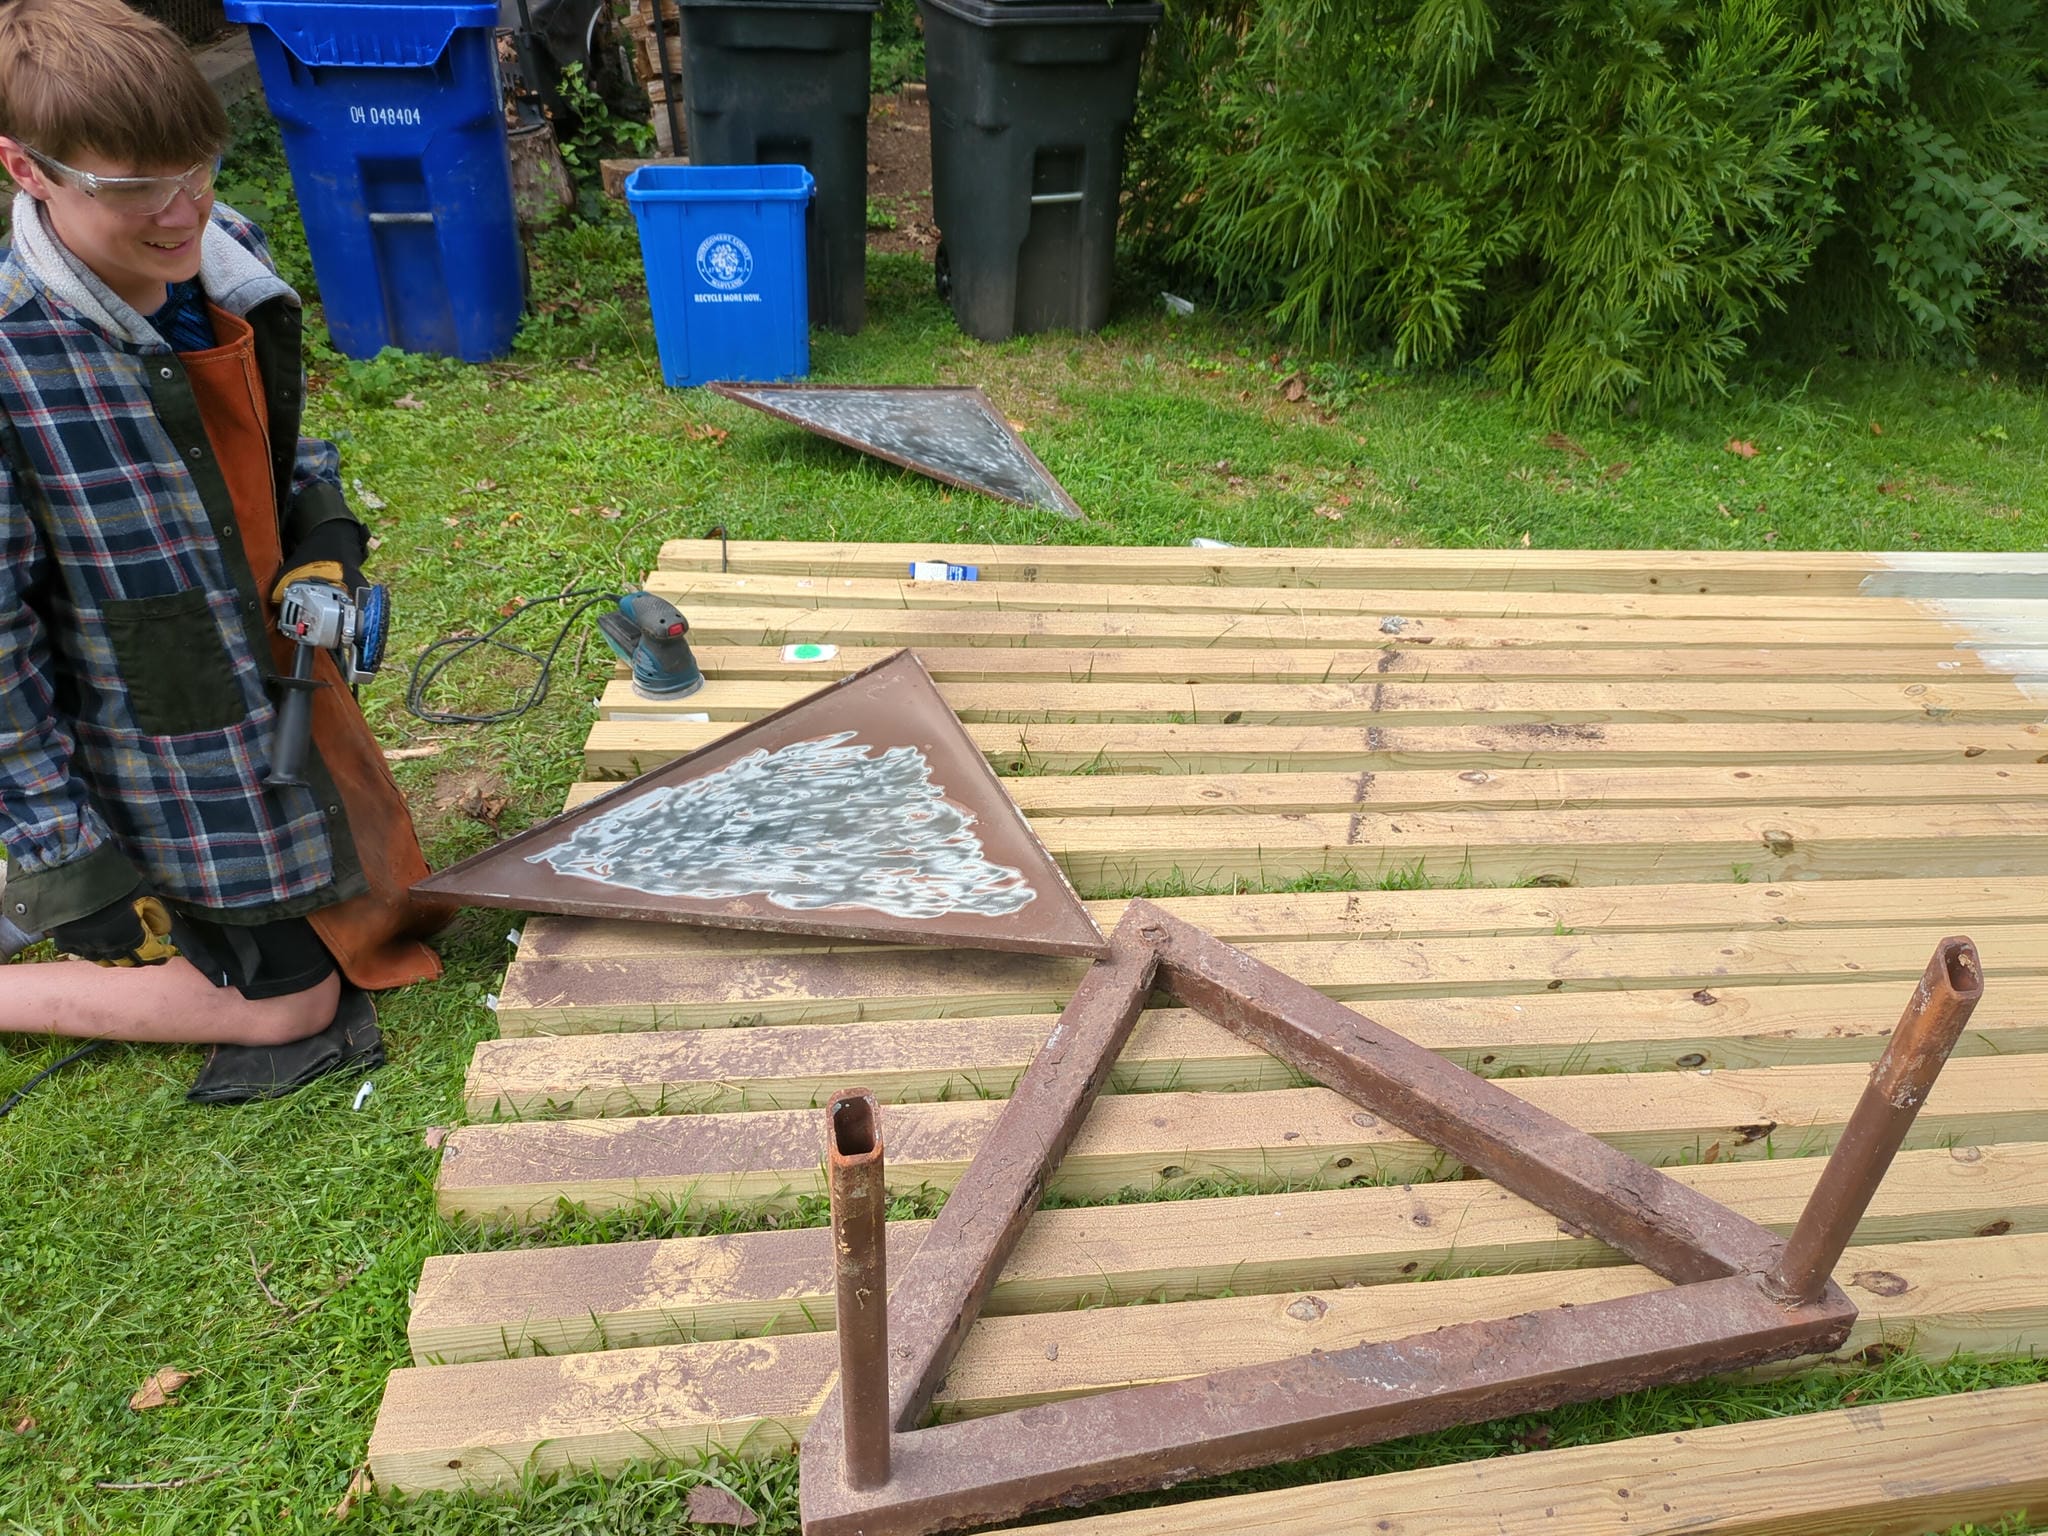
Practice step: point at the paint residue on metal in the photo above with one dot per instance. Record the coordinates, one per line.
(817, 825)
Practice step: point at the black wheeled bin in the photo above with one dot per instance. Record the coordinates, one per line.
(1030, 102)
(785, 82)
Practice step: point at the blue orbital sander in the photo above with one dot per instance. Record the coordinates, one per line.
(653, 639)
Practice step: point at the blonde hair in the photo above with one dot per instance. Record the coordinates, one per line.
(95, 76)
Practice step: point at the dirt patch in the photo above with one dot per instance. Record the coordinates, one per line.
(900, 173)
(1554, 732)
(480, 794)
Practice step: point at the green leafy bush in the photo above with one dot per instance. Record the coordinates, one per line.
(1607, 200)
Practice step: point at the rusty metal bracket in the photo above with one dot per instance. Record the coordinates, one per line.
(1739, 1296)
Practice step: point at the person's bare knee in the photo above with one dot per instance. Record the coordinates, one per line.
(281, 1020)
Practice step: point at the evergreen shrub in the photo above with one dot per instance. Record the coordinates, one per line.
(1609, 201)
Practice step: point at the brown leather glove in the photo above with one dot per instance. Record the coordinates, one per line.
(136, 930)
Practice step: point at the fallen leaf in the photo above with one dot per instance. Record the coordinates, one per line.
(510, 607)
(406, 402)
(373, 543)
(1331, 513)
(1015, 425)
(24, 1425)
(409, 754)
(358, 1487)
(1295, 387)
(1536, 1438)
(1913, 534)
(1525, 541)
(158, 1390)
(1340, 501)
(1771, 536)
(1712, 1154)
(1876, 430)
(1616, 471)
(485, 485)
(703, 432)
(451, 522)
(1563, 444)
(1742, 448)
(1722, 508)
(710, 1504)
(433, 1136)
(609, 514)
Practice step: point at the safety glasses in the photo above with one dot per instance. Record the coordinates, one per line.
(142, 195)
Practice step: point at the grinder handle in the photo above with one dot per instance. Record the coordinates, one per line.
(292, 736)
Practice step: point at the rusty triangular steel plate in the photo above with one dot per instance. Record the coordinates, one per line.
(863, 810)
(872, 1463)
(952, 434)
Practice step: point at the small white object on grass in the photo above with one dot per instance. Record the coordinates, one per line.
(1209, 544)
(363, 1094)
(512, 937)
(1177, 304)
(491, 1001)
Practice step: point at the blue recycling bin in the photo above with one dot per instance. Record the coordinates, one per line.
(726, 269)
(395, 132)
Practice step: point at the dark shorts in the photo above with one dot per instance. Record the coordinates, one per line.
(267, 960)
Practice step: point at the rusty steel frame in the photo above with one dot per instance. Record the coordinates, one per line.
(1740, 1294)
(889, 703)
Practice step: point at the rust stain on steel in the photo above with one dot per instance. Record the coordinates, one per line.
(986, 884)
(854, 1175)
(1735, 1301)
(1941, 1006)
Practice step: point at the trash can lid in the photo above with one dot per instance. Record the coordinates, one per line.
(365, 34)
(778, 5)
(719, 184)
(1002, 13)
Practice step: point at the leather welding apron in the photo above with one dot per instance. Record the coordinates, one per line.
(376, 937)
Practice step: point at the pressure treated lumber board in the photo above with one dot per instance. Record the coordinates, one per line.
(1880, 1469)
(1479, 570)
(919, 1060)
(1603, 845)
(993, 626)
(698, 589)
(758, 661)
(1313, 916)
(1133, 794)
(569, 996)
(481, 1424)
(623, 748)
(1151, 1141)
(558, 1301)
(1748, 701)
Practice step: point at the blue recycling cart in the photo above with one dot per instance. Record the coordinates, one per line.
(395, 133)
(726, 269)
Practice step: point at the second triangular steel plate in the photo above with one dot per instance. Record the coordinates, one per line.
(952, 434)
(864, 810)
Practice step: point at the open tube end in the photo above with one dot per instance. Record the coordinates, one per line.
(1961, 970)
(854, 1126)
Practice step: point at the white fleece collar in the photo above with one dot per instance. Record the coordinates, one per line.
(233, 276)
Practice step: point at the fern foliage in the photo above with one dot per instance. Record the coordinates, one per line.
(1609, 201)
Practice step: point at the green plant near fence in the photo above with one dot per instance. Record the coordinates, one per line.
(1609, 201)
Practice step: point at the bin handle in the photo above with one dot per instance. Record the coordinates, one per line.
(1058, 197)
(401, 218)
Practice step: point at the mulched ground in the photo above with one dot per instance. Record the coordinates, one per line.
(900, 172)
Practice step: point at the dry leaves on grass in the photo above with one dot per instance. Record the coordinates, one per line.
(359, 1487)
(1295, 388)
(704, 432)
(1563, 444)
(433, 1136)
(161, 1387)
(407, 403)
(1614, 472)
(24, 1425)
(1331, 513)
(1741, 447)
(710, 1504)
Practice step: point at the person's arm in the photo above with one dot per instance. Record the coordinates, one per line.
(61, 863)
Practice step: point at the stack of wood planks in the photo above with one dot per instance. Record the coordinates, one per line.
(638, 21)
(1690, 825)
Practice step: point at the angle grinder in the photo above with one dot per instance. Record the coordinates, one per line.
(318, 617)
(653, 639)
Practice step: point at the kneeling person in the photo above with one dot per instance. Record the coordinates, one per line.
(156, 498)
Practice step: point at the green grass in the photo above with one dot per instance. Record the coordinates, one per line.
(134, 1226)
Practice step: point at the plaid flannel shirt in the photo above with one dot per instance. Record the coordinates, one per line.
(134, 713)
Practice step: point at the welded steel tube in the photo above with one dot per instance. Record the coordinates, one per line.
(860, 1260)
(1899, 1084)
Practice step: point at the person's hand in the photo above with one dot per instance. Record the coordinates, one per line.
(330, 553)
(136, 930)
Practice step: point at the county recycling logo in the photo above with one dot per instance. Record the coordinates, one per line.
(724, 262)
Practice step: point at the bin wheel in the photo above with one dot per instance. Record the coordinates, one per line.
(942, 272)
